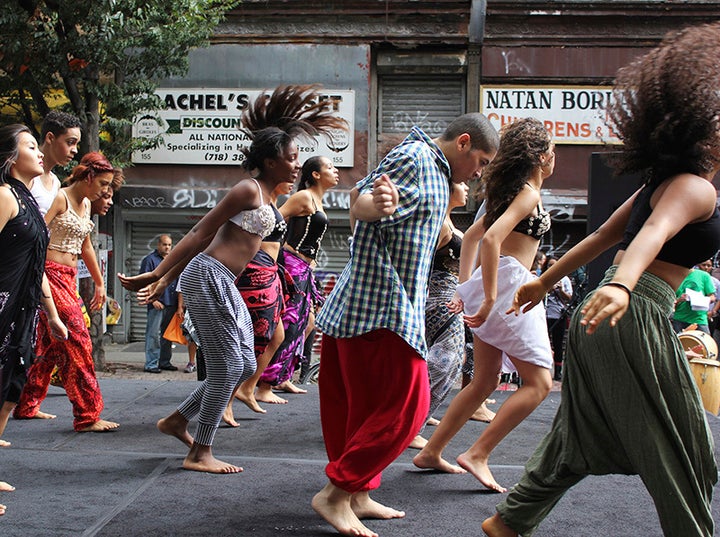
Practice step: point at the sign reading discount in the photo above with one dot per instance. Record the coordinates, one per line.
(572, 114)
(203, 126)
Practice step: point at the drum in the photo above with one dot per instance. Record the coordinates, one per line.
(707, 378)
(698, 344)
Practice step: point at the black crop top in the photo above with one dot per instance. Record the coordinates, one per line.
(691, 245)
(279, 230)
(535, 226)
(306, 232)
(447, 257)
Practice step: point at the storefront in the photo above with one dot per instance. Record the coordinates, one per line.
(405, 63)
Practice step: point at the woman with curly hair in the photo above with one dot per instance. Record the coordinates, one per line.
(69, 222)
(217, 250)
(629, 403)
(510, 231)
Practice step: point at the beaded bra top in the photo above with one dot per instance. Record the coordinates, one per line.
(68, 230)
(260, 221)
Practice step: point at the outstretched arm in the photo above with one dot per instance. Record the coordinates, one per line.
(150, 285)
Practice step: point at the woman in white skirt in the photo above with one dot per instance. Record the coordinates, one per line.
(511, 231)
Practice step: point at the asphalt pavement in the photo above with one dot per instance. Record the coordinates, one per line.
(130, 482)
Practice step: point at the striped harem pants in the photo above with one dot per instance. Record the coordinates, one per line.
(225, 333)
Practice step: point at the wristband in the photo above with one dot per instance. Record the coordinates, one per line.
(620, 285)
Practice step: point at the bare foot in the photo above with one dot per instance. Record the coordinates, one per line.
(250, 401)
(210, 464)
(3, 508)
(432, 462)
(333, 505)
(265, 394)
(4, 443)
(495, 527)
(175, 425)
(433, 422)
(365, 507)
(418, 443)
(39, 415)
(480, 469)
(100, 426)
(6, 487)
(228, 416)
(289, 387)
(483, 414)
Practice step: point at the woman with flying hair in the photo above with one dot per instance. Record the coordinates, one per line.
(629, 403)
(511, 231)
(210, 257)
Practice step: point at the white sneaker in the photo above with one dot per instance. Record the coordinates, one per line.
(190, 368)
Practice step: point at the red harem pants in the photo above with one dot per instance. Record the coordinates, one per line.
(374, 398)
(72, 357)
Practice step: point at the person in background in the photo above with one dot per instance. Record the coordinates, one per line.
(104, 203)
(539, 263)
(629, 403)
(371, 409)
(60, 138)
(189, 333)
(714, 306)
(697, 283)
(23, 286)
(307, 224)
(556, 304)
(444, 329)
(158, 350)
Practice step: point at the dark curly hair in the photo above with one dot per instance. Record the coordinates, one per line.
(273, 121)
(521, 145)
(666, 107)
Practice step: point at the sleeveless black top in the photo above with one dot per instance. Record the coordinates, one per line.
(691, 245)
(306, 232)
(23, 241)
(447, 257)
(535, 226)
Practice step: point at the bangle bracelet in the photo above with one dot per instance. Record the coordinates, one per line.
(621, 286)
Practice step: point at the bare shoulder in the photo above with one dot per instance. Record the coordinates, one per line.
(246, 192)
(299, 204)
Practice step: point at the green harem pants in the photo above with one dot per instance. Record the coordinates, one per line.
(629, 406)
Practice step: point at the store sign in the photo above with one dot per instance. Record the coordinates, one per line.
(572, 114)
(202, 126)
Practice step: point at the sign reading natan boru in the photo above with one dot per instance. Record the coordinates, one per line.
(203, 126)
(572, 114)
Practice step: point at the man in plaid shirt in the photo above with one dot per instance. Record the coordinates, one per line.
(374, 388)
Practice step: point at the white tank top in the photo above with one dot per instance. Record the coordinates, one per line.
(42, 195)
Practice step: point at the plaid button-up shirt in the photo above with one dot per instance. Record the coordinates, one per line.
(384, 285)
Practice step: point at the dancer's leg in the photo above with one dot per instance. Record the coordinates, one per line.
(485, 380)
(536, 384)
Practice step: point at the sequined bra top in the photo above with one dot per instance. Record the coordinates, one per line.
(535, 226)
(305, 233)
(68, 230)
(260, 221)
(447, 257)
